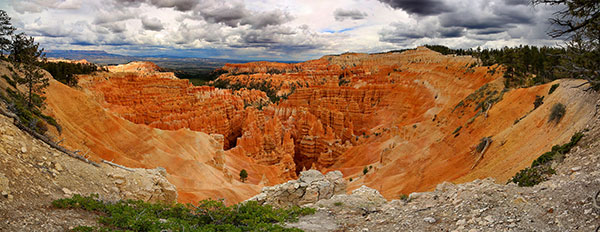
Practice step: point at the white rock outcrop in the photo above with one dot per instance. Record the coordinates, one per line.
(311, 187)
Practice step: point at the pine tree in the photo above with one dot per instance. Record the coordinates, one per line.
(243, 175)
(6, 30)
(579, 22)
(25, 54)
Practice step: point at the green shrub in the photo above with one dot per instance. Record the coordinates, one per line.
(365, 170)
(457, 130)
(404, 197)
(338, 203)
(540, 168)
(557, 151)
(552, 88)
(557, 112)
(208, 215)
(532, 176)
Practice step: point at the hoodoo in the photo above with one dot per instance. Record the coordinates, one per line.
(411, 119)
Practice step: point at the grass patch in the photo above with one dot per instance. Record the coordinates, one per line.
(540, 168)
(208, 215)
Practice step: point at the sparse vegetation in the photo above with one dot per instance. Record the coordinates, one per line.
(483, 143)
(552, 88)
(557, 112)
(457, 130)
(404, 197)
(9, 80)
(539, 100)
(207, 215)
(338, 203)
(365, 170)
(265, 86)
(541, 167)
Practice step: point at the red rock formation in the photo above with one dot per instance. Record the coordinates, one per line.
(398, 113)
(165, 102)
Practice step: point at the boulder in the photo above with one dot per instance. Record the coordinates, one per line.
(311, 187)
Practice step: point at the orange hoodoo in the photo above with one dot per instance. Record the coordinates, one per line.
(412, 118)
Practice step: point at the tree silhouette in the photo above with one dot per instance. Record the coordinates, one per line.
(6, 30)
(25, 54)
(243, 175)
(579, 22)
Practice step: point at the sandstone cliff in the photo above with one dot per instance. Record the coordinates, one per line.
(415, 116)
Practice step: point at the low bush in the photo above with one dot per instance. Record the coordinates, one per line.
(531, 176)
(557, 112)
(208, 215)
(540, 168)
(552, 88)
(539, 100)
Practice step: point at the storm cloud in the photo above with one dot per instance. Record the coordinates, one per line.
(274, 29)
(419, 7)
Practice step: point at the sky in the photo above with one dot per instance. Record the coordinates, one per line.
(277, 29)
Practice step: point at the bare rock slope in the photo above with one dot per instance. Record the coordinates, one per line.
(32, 175)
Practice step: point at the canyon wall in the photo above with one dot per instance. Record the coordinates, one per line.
(410, 119)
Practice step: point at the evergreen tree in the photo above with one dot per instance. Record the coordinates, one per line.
(25, 54)
(6, 30)
(579, 22)
(243, 175)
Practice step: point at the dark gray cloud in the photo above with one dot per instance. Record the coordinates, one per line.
(475, 21)
(152, 24)
(280, 39)
(419, 7)
(517, 2)
(129, 3)
(237, 15)
(341, 14)
(228, 15)
(180, 5)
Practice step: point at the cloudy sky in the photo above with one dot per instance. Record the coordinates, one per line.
(276, 29)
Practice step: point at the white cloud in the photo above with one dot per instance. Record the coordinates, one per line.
(277, 29)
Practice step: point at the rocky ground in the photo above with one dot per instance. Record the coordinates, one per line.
(32, 175)
(562, 203)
